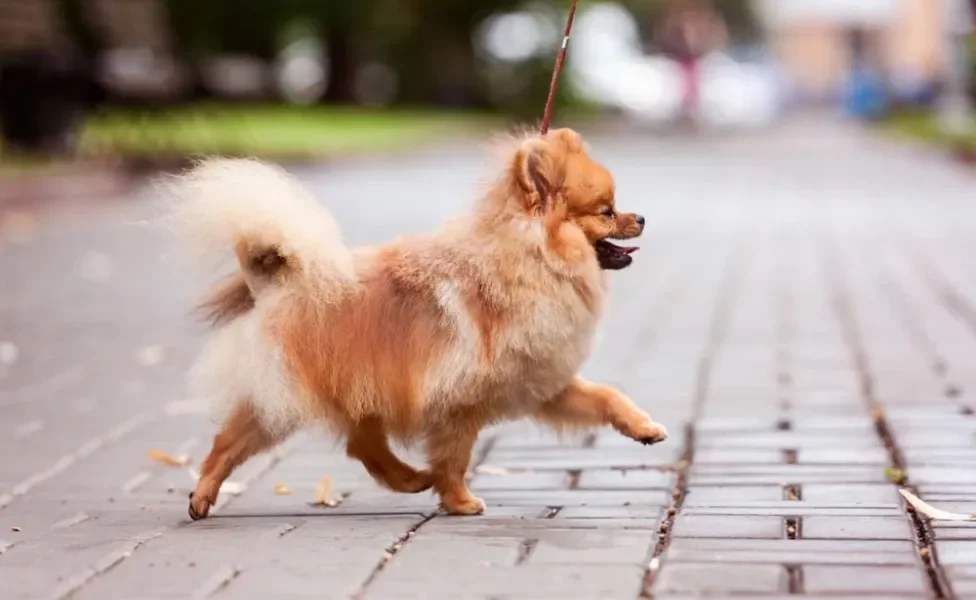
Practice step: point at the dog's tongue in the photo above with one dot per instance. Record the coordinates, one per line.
(627, 249)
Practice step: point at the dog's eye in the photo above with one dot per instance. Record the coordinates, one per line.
(608, 213)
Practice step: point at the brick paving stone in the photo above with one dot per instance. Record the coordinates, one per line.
(800, 551)
(865, 528)
(785, 439)
(717, 455)
(543, 480)
(790, 508)
(628, 511)
(574, 459)
(577, 497)
(559, 581)
(861, 579)
(732, 495)
(917, 595)
(698, 526)
(830, 456)
(958, 475)
(610, 548)
(881, 494)
(703, 579)
(626, 480)
(956, 552)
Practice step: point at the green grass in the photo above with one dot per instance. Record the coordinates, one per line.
(924, 127)
(277, 132)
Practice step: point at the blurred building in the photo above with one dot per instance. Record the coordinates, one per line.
(818, 41)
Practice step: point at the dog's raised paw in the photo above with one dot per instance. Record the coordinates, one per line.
(657, 436)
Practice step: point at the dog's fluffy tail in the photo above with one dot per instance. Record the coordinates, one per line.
(277, 229)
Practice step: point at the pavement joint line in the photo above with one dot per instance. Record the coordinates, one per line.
(28, 429)
(954, 302)
(527, 546)
(221, 578)
(63, 463)
(908, 316)
(285, 529)
(133, 483)
(944, 289)
(390, 552)
(724, 306)
(45, 388)
(846, 314)
(75, 519)
(74, 584)
(794, 579)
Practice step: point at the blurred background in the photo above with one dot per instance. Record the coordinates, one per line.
(164, 79)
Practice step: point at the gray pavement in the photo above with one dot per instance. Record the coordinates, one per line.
(802, 315)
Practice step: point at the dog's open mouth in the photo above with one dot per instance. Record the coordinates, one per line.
(612, 256)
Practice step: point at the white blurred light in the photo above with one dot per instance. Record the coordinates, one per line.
(650, 89)
(302, 71)
(604, 32)
(861, 12)
(734, 94)
(140, 71)
(515, 37)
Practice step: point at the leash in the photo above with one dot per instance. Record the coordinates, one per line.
(557, 69)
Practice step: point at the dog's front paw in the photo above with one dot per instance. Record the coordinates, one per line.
(469, 505)
(646, 431)
(199, 506)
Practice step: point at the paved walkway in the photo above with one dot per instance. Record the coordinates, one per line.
(804, 302)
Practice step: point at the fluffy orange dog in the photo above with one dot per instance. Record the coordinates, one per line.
(430, 338)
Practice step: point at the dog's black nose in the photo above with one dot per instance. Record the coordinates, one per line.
(640, 220)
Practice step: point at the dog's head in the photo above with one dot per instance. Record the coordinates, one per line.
(574, 195)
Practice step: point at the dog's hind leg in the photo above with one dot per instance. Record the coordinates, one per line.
(240, 437)
(368, 444)
(585, 404)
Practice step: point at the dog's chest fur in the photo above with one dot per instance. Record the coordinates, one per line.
(526, 354)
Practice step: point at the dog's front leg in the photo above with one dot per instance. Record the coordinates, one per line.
(584, 404)
(449, 449)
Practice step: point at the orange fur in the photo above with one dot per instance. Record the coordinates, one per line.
(427, 338)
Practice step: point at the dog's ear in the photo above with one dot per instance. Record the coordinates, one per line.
(537, 171)
(570, 140)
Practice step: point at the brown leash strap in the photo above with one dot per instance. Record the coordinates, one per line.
(560, 59)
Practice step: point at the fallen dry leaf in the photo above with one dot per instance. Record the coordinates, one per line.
(168, 459)
(282, 489)
(15, 529)
(931, 512)
(324, 493)
(233, 488)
